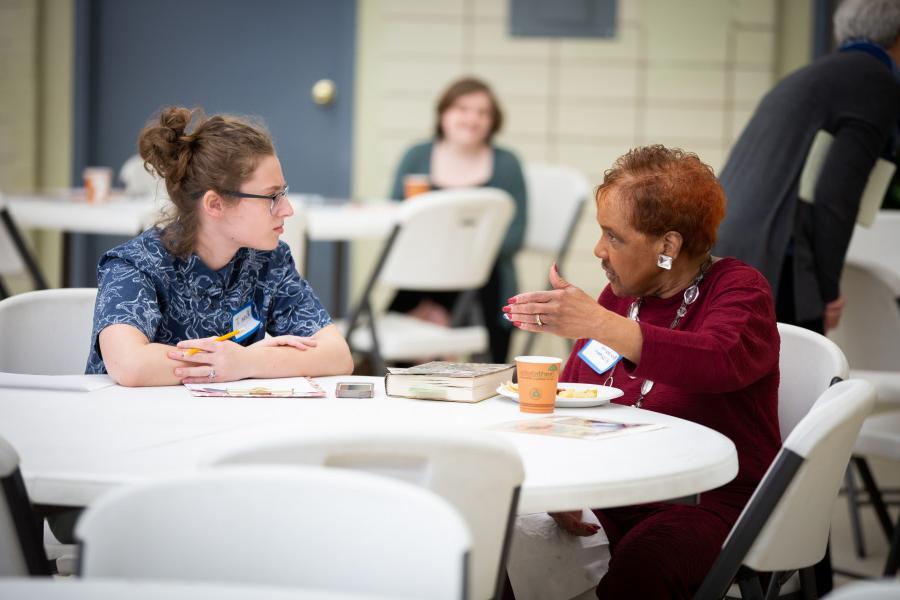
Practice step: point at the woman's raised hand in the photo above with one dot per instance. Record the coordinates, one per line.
(566, 310)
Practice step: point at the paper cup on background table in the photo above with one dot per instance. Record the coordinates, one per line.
(538, 376)
(97, 183)
(414, 184)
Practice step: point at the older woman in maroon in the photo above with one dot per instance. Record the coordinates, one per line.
(698, 340)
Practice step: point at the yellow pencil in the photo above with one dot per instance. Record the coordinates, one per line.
(221, 338)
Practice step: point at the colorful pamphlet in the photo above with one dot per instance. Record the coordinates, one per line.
(285, 387)
(575, 427)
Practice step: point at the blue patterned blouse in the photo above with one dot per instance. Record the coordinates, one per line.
(169, 299)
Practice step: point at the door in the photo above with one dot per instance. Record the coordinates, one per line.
(258, 58)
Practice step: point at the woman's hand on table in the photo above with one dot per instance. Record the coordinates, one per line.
(566, 310)
(216, 361)
(570, 522)
(295, 341)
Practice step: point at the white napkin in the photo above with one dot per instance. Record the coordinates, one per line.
(547, 563)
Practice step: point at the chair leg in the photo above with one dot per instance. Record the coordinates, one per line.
(751, 588)
(875, 496)
(375, 356)
(808, 587)
(859, 543)
(891, 565)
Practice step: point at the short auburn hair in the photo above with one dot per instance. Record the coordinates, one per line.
(464, 87)
(668, 189)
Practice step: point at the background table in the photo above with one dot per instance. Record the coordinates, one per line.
(74, 446)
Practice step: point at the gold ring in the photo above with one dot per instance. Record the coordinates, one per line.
(539, 322)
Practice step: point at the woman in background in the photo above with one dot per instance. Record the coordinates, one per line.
(462, 155)
(215, 266)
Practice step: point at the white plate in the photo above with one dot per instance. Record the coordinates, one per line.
(605, 393)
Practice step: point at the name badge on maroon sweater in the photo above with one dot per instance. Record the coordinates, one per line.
(600, 357)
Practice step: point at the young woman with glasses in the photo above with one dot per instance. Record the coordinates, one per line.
(213, 266)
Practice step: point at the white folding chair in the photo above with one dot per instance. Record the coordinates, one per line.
(867, 590)
(556, 198)
(809, 363)
(15, 256)
(47, 332)
(869, 333)
(21, 548)
(479, 474)
(785, 525)
(444, 241)
(291, 526)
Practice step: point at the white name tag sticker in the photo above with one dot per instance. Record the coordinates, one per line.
(600, 357)
(244, 320)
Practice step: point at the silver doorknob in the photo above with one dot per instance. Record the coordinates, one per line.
(323, 92)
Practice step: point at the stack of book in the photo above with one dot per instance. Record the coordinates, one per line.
(439, 380)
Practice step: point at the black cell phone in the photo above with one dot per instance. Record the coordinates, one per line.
(354, 390)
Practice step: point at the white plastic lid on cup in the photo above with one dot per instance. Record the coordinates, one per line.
(538, 359)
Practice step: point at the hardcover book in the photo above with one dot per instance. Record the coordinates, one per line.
(440, 380)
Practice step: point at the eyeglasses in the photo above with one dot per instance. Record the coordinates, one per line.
(275, 198)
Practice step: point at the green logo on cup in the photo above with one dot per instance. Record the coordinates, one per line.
(552, 368)
(535, 394)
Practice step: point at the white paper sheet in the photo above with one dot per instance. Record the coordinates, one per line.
(73, 383)
(285, 387)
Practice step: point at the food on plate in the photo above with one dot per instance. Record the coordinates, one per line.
(561, 392)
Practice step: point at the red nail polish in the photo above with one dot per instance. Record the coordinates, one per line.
(507, 309)
(512, 300)
(517, 323)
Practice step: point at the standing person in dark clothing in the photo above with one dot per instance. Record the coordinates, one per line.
(853, 94)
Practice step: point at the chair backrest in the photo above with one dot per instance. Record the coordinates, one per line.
(21, 540)
(869, 330)
(875, 246)
(447, 240)
(556, 196)
(47, 332)
(478, 473)
(808, 364)
(302, 526)
(786, 522)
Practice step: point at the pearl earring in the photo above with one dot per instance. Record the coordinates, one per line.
(664, 262)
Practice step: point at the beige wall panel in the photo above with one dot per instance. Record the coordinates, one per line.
(425, 77)
(755, 47)
(528, 79)
(578, 81)
(526, 117)
(761, 12)
(401, 112)
(490, 37)
(444, 8)
(685, 123)
(685, 83)
(417, 37)
(751, 86)
(694, 30)
(598, 118)
(624, 47)
(489, 8)
(593, 158)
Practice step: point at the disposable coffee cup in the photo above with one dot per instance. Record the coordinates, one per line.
(97, 183)
(415, 184)
(538, 377)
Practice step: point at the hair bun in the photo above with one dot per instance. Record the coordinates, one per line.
(166, 147)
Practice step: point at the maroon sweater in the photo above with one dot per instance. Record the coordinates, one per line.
(718, 368)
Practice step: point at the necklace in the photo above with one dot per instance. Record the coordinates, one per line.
(690, 296)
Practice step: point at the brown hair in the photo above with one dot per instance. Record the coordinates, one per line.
(668, 189)
(463, 87)
(219, 153)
